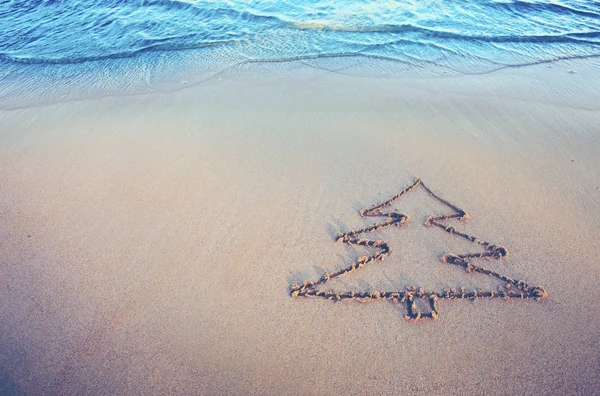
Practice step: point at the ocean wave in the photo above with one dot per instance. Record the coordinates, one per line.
(592, 9)
(88, 30)
(468, 36)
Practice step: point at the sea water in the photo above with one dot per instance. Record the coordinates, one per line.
(63, 49)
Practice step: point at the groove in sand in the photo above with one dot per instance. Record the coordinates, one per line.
(514, 289)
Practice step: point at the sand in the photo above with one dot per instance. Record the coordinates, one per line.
(147, 243)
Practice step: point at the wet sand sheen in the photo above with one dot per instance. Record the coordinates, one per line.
(148, 243)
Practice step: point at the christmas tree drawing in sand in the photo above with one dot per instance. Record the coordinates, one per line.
(512, 289)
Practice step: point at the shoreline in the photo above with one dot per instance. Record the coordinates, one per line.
(170, 81)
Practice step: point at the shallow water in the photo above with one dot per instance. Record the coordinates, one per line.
(50, 49)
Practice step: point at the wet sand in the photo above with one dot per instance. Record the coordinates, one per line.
(148, 243)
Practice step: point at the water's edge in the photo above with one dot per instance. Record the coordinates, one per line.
(53, 51)
(42, 85)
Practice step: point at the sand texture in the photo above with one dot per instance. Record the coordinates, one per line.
(148, 243)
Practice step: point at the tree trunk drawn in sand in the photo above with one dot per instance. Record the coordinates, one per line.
(514, 289)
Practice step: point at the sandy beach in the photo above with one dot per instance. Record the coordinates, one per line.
(148, 243)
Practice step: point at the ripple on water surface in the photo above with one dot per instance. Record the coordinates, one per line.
(101, 46)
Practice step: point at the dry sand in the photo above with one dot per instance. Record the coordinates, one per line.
(147, 243)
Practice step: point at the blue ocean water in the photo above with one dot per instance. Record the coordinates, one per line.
(127, 45)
